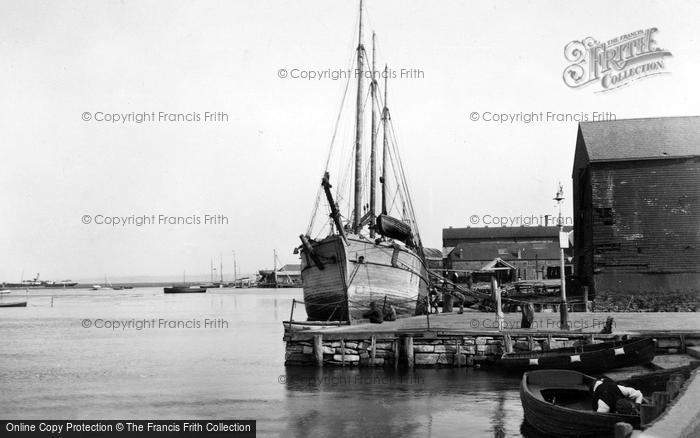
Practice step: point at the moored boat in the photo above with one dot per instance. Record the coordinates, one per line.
(184, 290)
(13, 304)
(558, 403)
(586, 358)
(367, 254)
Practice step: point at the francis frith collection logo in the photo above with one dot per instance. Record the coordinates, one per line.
(616, 62)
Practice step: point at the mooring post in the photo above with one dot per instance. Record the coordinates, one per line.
(683, 347)
(408, 348)
(291, 314)
(530, 343)
(496, 295)
(373, 351)
(458, 355)
(395, 351)
(586, 306)
(342, 352)
(318, 350)
(507, 343)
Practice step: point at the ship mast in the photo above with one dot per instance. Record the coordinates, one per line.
(373, 151)
(357, 220)
(385, 149)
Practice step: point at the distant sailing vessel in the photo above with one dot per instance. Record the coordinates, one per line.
(185, 288)
(35, 283)
(365, 256)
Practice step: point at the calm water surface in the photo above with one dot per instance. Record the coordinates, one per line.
(53, 367)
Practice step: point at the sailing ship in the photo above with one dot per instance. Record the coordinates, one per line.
(366, 255)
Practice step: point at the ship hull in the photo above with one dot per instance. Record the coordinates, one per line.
(356, 274)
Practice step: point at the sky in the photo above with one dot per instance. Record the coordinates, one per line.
(68, 65)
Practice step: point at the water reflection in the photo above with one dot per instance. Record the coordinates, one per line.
(422, 402)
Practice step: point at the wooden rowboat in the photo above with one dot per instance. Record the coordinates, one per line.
(589, 358)
(559, 402)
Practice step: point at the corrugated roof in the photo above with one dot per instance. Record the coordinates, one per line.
(432, 253)
(501, 232)
(652, 138)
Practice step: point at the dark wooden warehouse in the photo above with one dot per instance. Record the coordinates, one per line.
(637, 206)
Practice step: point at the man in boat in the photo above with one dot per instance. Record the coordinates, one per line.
(609, 397)
(374, 314)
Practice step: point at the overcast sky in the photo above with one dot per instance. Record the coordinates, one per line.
(261, 168)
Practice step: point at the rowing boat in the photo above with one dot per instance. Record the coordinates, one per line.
(589, 358)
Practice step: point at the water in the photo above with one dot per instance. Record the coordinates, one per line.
(53, 367)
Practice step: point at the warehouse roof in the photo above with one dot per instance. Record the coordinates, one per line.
(633, 139)
(483, 233)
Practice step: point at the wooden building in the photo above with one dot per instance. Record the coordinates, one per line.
(533, 251)
(637, 205)
(286, 276)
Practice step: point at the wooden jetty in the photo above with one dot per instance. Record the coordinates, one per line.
(469, 339)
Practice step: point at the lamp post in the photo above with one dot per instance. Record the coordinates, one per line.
(563, 310)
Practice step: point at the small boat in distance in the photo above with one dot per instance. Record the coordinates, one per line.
(185, 288)
(590, 358)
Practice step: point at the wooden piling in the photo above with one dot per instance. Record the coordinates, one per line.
(373, 352)
(458, 355)
(395, 351)
(507, 343)
(291, 312)
(318, 350)
(408, 350)
(342, 352)
(683, 347)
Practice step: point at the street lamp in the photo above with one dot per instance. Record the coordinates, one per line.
(563, 243)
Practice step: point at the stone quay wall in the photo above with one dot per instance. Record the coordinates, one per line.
(431, 349)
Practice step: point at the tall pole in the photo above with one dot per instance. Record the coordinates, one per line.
(274, 264)
(373, 152)
(563, 310)
(358, 133)
(385, 149)
(221, 268)
(235, 273)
